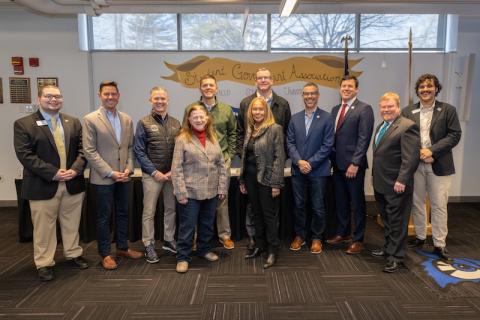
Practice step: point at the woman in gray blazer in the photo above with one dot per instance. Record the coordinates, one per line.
(199, 178)
(261, 177)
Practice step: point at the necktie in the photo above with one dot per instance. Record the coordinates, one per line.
(381, 132)
(57, 136)
(342, 115)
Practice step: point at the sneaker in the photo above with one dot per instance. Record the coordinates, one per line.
(297, 244)
(150, 254)
(210, 256)
(227, 243)
(182, 266)
(170, 246)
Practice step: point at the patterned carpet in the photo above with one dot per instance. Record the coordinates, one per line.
(332, 285)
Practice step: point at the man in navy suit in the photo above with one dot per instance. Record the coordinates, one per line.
(354, 121)
(309, 143)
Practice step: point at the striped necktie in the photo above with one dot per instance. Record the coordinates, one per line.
(58, 137)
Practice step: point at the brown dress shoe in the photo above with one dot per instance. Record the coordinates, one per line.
(316, 246)
(228, 243)
(129, 253)
(354, 248)
(297, 244)
(339, 239)
(108, 263)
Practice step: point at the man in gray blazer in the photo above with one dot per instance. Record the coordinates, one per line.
(440, 132)
(395, 159)
(107, 143)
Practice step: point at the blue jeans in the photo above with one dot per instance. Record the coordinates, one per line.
(112, 197)
(201, 212)
(315, 188)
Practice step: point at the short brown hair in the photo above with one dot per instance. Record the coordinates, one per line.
(107, 84)
(48, 86)
(425, 77)
(350, 77)
(207, 76)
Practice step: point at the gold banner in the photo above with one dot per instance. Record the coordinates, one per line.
(323, 70)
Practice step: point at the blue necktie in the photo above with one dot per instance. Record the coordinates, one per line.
(381, 133)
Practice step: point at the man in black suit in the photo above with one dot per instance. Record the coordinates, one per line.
(353, 130)
(440, 132)
(49, 146)
(395, 159)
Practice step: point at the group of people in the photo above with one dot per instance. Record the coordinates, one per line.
(188, 163)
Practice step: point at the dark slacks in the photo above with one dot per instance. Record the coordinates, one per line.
(265, 212)
(350, 201)
(315, 188)
(395, 212)
(201, 212)
(112, 197)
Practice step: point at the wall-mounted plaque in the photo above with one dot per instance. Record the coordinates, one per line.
(42, 82)
(20, 90)
(1, 91)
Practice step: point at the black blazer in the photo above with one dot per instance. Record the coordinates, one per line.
(396, 157)
(35, 148)
(352, 138)
(280, 109)
(445, 133)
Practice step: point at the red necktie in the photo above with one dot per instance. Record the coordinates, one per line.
(342, 115)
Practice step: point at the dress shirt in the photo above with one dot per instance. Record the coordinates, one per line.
(115, 122)
(426, 114)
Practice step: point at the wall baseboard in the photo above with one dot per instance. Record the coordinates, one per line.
(8, 203)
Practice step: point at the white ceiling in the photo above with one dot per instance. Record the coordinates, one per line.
(60, 7)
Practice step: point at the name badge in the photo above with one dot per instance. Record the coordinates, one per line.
(42, 123)
(153, 128)
(415, 111)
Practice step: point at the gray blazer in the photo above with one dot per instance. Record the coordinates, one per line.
(270, 155)
(396, 158)
(103, 152)
(198, 172)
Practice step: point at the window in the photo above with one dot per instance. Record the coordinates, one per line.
(311, 31)
(135, 32)
(224, 32)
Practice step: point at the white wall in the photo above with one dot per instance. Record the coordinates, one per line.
(54, 41)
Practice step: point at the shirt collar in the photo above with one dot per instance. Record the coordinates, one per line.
(47, 116)
(350, 102)
(425, 108)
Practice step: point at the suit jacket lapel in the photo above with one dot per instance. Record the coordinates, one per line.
(437, 109)
(45, 129)
(390, 130)
(199, 145)
(312, 124)
(416, 114)
(102, 115)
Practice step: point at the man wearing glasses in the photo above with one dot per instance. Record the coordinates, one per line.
(309, 142)
(49, 146)
(281, 112)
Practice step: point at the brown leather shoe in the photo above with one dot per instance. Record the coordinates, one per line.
(316, 246)
(339, 239)
(228, 243)
(297, 244)
(354, 248)
(108, 263)
(129, 253)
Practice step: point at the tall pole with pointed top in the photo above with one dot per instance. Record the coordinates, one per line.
(410, 45)
(346, 39)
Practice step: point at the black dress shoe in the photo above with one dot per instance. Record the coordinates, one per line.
(251, 243)
(80, 262)
(378, 253)
(46, 274)
(442, 254)
(416, 243)
(394, 266)
(271, 259)
(256, 252)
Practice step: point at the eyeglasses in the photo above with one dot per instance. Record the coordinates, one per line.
(51, 97)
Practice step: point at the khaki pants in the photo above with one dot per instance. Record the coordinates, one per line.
(223, 218)
(67, 209)
(437, 188)
(151, 191)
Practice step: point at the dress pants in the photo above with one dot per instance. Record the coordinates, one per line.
(112, 197)
(350, 200)
(265, 210)
(151, 192)
(67, 209)
(223, 217)
(395, 213)
(191, 214)
(437, 188)
(315, 188)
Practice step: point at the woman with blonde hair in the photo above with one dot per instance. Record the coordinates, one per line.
(261, 177)
(199, 179)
